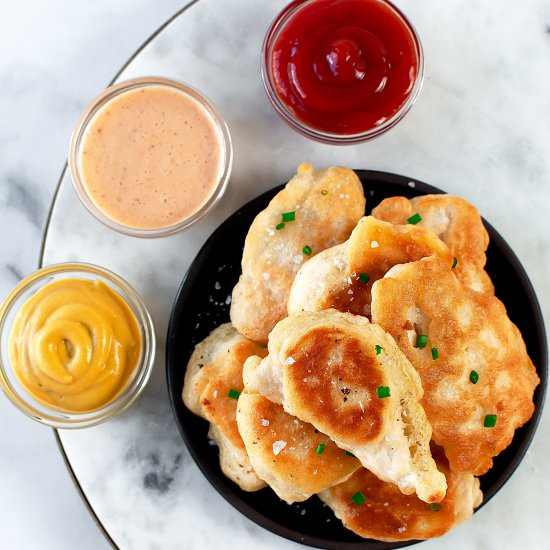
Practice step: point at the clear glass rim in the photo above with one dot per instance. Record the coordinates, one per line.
(101, 101)
(314, 133)
(56, 418)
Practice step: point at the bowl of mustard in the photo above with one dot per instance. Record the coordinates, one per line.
(77, 345)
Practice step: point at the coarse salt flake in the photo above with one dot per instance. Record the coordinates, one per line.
(278, 446)
(290, 361)
(265, 422)
(374, 244)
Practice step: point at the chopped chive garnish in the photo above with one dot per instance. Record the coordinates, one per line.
(324, 192)
(421, 341)
(234, 394)
(435, 354)
(435, 507)
(455, 262)
(307, 250)
(350, 454)
(320, 449)
(279, 225)
(364, 278)
(383, 391)
(358, 498)
(490, 420)
(414, 219)
(289, 216)
(378, 349)
(474, 377)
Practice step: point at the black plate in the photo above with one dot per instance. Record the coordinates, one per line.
(201, 305)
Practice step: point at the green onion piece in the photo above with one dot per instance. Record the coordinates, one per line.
(474, 377)
(289, 216)
(435, 507)
(490, 421)
(414, 219)
(378, 349)
(320, 449)
(364, 278)
(350, 454)
(307, 250)
(234, 394)
(358, 498)
(383, 391)
(279, 225)
(324, 192)
(455, 262)
(421, 341)
(435, 354)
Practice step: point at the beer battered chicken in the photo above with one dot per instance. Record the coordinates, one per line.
(342, 277)
(477, 377)
(212, 382)
(378, 510)
(295, 459)
(321, 208)
(346, 408)
(456, 222)
(348, 378)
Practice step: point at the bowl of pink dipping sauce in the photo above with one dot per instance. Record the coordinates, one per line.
(150, 156)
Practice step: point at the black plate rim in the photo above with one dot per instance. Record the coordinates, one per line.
(230, 495)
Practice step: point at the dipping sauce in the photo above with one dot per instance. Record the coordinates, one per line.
(74, 344)
(150, 155)
(343, 67)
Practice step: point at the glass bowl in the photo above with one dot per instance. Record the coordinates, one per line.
(109, 98)
(291, 117)
(47, 413)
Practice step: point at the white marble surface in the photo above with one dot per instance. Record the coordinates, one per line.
(479, 129)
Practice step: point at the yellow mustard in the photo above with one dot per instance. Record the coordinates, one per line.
(74, 344)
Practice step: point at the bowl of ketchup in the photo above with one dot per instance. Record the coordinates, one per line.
(342, 71)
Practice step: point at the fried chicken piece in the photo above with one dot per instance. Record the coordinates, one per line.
(213, 377)
(342, 277)
(456, 222)
(322, 207)
(377, 510)
(471, 358)
(348, 378)
(295, 459)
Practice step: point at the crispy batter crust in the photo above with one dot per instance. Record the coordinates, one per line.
(215, 368)
(342, 277)
(471, 332)
(285, 451)
(389, 515)
(327, 205)
(456, 222)
(324, 368)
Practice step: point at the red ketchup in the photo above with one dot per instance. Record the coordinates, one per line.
(343, 67)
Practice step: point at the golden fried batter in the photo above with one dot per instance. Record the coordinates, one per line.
(295, 459)
(214, 370)
(348, 378)
(471, 358)
(456, 222)
(389, 515)
(341, 277)
(326, 205)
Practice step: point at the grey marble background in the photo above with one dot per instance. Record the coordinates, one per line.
(54, 58)
(480, 129)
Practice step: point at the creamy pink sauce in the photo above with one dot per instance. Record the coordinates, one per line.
(151, 157)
